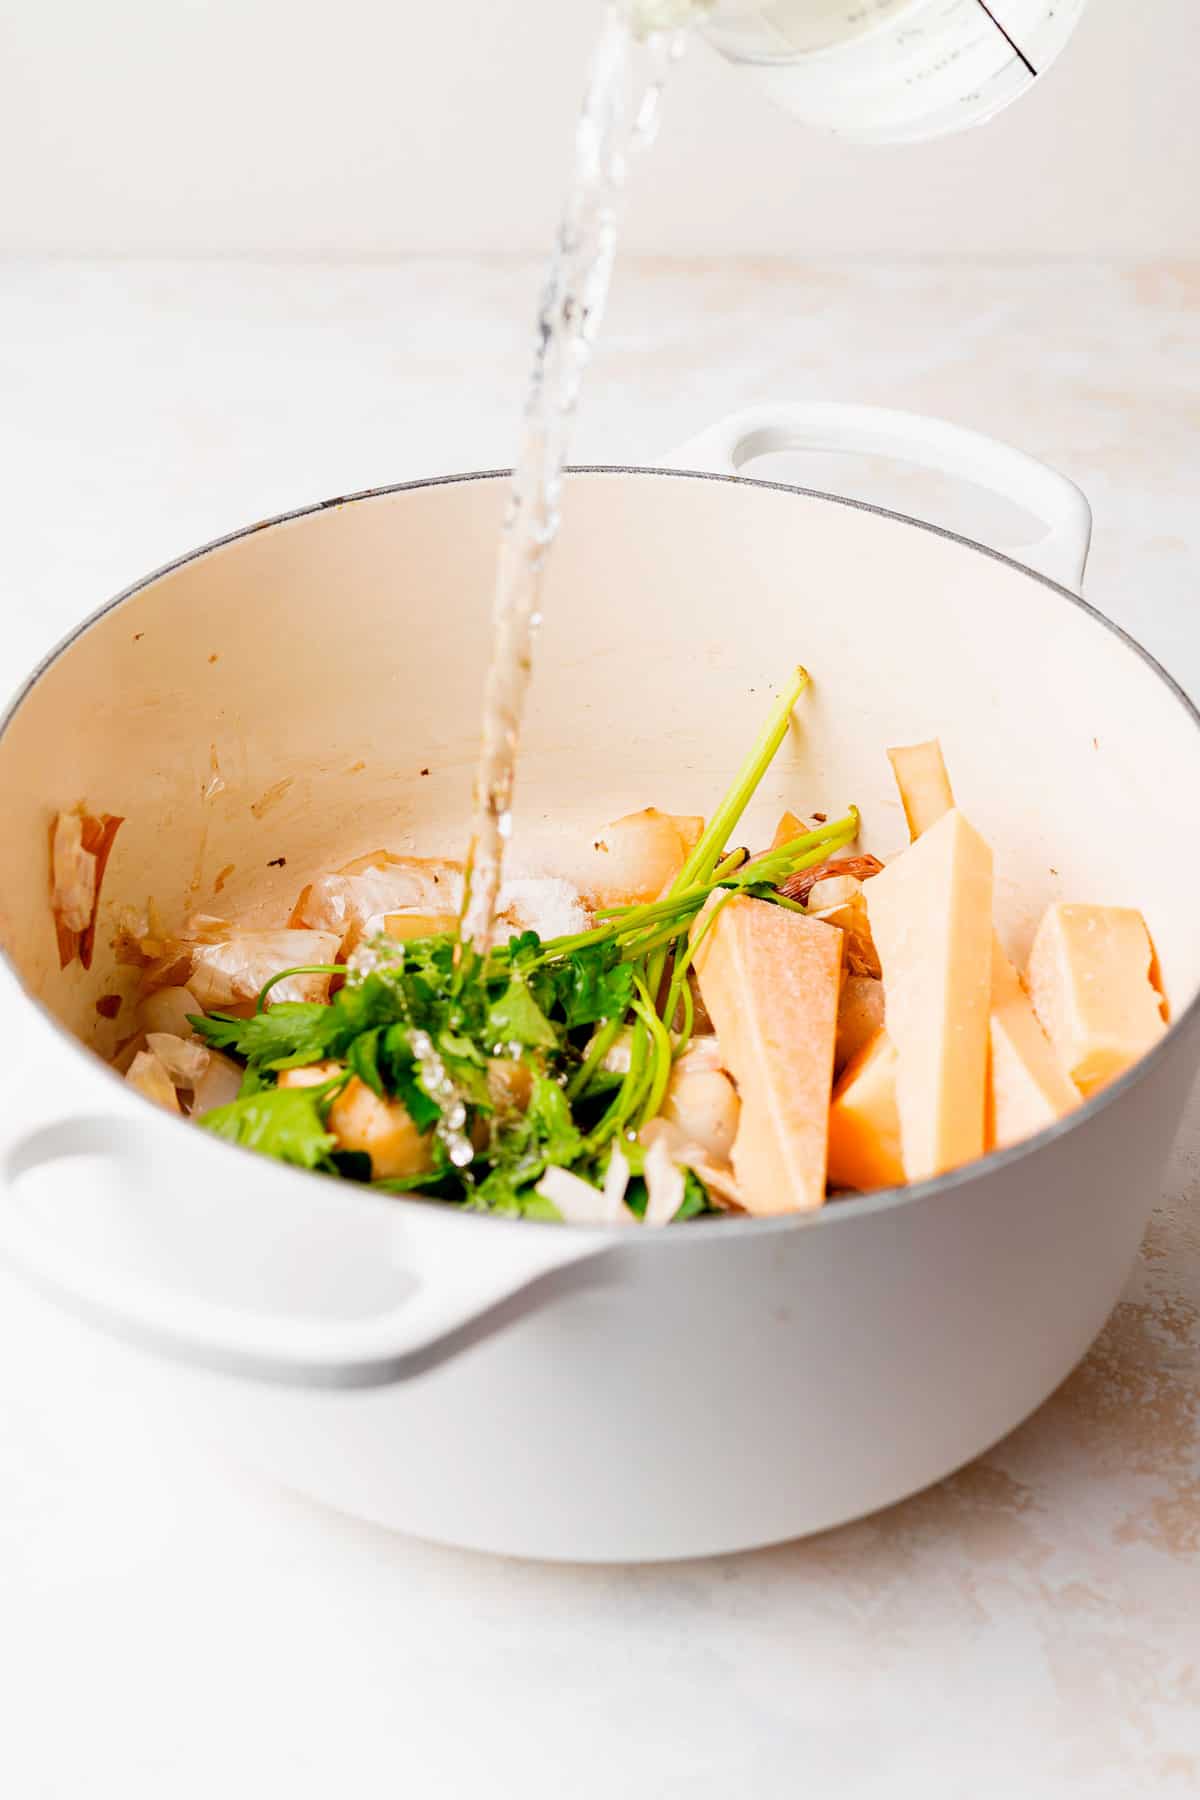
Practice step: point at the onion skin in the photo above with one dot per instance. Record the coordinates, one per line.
(798, 887)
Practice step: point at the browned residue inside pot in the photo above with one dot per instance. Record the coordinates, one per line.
(273, 795)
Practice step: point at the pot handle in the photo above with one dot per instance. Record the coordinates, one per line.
(470, 1284)
(930, 443)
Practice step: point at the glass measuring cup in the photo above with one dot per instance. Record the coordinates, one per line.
(894, 71)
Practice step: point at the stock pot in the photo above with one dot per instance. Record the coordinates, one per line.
(307, 690)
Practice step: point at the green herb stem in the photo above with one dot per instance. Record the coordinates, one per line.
(626, 1096)
(301, 969)
(623, 915)
(701, 864)
(659, 1071)
(704, 858)
(598, 1049)
(683, 1036)
(781, 900)
(686, 952)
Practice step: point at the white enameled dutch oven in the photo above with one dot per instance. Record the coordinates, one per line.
(308, 689)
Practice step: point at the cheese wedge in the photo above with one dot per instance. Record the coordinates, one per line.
(920, 772)
(931, 916)
(864, 1121)
(1089, 977)
(771, 980)
(1028, 1087)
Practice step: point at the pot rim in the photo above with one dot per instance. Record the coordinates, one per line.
(846, 1209)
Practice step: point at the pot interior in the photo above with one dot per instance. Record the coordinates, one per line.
(310, 690)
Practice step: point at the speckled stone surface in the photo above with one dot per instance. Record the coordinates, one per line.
(170, 1627)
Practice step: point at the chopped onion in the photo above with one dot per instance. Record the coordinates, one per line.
(853, 921)
(616, 1181)
(703, 1054)
(348, 903)
(636, 858)
(702, 1100)
(665, 1184)
(126, 1050)
(184, 1059)
(150, 1078)
(833, 890)
(718, 1178)
(240, 966)
(167, 1010)
(578, 1201)
(219, 1084)
(860, 1017)
(542, 903)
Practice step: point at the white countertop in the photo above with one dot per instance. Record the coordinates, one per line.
(169, 1627)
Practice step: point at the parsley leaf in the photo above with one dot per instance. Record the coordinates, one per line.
(362, 1057)
(523, 950)
(523, 1146)
(516, 1018)
(255, 1081)
(549, 1115)
(217, 1030)
(695, 1202)
(468, 1069)
(287, 1123)
(286, 1036)
(594, 984)
(404, 1078)
(512, 1191)
(532, 1205)
(637, 1196)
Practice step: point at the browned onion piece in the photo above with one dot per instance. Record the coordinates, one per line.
(800, 886)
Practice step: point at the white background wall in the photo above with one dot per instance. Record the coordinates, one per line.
(381, 126)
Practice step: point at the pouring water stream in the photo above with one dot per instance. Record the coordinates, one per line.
(639, 41)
